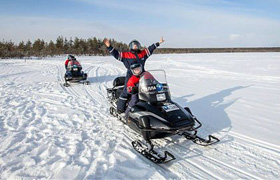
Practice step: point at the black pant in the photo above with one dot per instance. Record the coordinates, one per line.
(134, 99)
(121, 105)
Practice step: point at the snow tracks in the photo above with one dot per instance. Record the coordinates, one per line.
(48, 131)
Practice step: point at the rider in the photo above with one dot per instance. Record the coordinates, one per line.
(132, 87)
(70, 58)
(135, 55)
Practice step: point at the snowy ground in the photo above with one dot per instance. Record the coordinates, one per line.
(52, 132)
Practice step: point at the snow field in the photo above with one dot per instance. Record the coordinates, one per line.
(50, 131)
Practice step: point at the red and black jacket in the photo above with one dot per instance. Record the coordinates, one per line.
(131, 84)
(130, 57)
(66, 63)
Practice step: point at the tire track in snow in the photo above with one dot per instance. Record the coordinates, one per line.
(265, 146)
(46, 144)
(230, 164)
(60, 78)
(53, 130)
(184, 161)
(87, 88)
(217, 166)
(97, 165)
(76, 89)
(193, 166)
(30, 115)
(84, 146)
(201, 168)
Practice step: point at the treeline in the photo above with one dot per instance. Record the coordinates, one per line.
(41, 48)
(94, 46)
(215, 50)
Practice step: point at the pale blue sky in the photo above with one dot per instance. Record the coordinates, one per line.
(183, 23)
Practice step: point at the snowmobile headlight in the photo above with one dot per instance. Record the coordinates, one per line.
(159, 87)
(75, 69)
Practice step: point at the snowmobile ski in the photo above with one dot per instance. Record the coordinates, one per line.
(200, 141)
(149, 153)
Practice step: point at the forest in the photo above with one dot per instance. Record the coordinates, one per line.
(95, 46)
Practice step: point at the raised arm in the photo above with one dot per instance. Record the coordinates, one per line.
(112, 50)
(149, 51)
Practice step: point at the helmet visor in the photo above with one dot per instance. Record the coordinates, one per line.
(136, 69)
(134, 45)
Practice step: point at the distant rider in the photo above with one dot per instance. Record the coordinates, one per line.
(135, 55)
(69, 58)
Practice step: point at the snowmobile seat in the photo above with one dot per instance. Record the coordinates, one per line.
(118, 85)
(119, 81)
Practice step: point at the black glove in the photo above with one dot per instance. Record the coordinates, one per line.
(134, 90)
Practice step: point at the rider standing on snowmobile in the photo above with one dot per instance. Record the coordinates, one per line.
(132, 87)
(135, 55)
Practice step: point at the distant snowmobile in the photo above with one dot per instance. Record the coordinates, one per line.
(156, 115)
(74, 73)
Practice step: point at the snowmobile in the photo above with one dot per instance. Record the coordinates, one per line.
(156, 116)
(74, 73)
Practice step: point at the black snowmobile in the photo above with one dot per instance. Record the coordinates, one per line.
(74, 73)
(156, 115)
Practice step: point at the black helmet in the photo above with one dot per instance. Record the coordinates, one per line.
(136, 69)
(134, 42)
(71, 57)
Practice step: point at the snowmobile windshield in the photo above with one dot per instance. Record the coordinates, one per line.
(74, 66)
(74, 63)
(153, 86)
